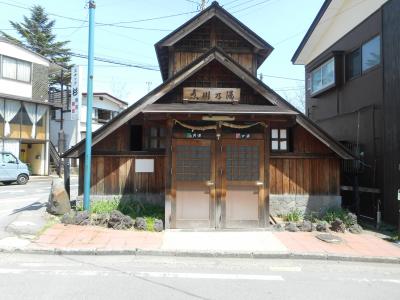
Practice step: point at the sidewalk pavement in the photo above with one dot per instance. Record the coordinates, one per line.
(73, 239)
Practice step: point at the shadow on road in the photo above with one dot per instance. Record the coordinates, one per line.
(31, 207)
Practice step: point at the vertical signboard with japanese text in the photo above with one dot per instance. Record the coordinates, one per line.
(76, 93)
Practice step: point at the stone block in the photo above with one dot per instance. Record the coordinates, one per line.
(58, 203)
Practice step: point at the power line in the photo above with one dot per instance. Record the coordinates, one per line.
(242, 3)
(107, 60)
(251, 6)
(326, 20)
(280, 77)
(114, 24)
(85, 26)
(230, 2)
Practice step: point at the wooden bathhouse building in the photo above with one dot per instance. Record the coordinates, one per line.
(213, 144)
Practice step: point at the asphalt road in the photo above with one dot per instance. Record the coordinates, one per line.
(130, 277)
(30, 198)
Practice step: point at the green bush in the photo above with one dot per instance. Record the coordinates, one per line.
(131, 206)
(338, 213)
(104, 206)
(295, 215)
(136, 208)
(312, 217)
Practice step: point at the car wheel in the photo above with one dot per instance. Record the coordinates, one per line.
(22, 179)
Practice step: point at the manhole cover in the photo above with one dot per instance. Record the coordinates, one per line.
(329, 238)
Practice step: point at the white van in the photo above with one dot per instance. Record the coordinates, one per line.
(12, 169)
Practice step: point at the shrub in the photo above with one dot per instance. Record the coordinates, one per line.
(104, 206)
(312, 217)
(130, 206)
(136, 208)
(295, 215)
(339, 213)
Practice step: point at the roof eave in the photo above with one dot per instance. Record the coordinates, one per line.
(310, 31)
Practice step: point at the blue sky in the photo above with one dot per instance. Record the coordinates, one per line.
(282, 23)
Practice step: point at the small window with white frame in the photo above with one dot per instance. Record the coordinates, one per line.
(323, 76)
(279, 139)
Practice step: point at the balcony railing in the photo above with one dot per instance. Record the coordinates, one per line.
(60, 99)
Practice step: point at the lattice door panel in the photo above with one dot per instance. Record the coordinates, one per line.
(242, 162)
(193, 163)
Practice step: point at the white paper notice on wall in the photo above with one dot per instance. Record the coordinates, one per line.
(144, 165)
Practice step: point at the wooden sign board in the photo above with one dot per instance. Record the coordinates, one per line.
(195, 94)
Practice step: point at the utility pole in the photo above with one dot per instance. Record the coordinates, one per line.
(88, 144)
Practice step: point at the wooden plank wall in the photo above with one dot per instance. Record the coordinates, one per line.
(115, 175)
(183, 58)
(312, 176)
(118, 141)
(243, 59)
(316, 173)
(304, 142)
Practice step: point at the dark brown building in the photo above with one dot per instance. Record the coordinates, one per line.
(351, 55)
(212, 143)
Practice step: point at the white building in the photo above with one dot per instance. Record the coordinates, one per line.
(24, 105)
(105, 107)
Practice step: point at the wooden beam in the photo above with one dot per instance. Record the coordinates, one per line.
(266, 173)
(171, 62)
(170, 204)
(302, 155)
(361, 189)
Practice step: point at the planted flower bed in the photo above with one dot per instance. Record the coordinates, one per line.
(121, 214)
(337, 220)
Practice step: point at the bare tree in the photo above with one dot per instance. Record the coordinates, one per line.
(118, 88)
(297, 97)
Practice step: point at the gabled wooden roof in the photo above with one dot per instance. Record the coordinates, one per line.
(213, 54)
(213, 11)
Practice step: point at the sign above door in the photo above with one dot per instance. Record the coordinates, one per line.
(215, 95)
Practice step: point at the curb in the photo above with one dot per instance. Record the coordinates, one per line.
(173, 253)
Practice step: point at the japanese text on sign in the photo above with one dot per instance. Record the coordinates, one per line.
(211, 94)
(75, 93)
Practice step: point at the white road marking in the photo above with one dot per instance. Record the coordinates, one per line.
(210, 276)
(146, 274)
(32, 265)
(285, 269)
(44, 264)
(12, 191)
(12, 271)
(368, 280)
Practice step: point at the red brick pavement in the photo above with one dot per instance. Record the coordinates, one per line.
(73, 237)
(91, 237)
(353, 244)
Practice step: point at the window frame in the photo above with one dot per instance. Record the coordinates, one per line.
(99, 112)
(360, 49)
(362, 54)
(279, 139)
(159, 137)
(319, 69)
(16, 69)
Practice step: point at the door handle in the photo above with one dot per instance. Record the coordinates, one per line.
(259, 183)
(209, 183)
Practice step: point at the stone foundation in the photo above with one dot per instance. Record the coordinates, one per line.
(155, 199)
(283, 204)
